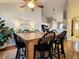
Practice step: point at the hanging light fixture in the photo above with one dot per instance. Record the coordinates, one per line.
(31, 4)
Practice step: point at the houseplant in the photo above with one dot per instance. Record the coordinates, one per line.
(5, 32)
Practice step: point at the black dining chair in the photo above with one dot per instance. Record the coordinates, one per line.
(44, 28)
(59, 44)
(21, 46)
(36, 31)
(44, 45)
(26, 31)
(54, 30)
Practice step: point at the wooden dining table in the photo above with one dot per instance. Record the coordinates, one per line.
(31, 39)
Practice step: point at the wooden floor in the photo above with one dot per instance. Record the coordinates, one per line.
(71, 51)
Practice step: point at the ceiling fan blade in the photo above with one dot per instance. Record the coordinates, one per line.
(41, 6)
(38, 4)
(23, 6)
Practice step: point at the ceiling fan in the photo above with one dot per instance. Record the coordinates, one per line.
(31, 4)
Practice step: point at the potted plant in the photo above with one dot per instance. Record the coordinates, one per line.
(5, 33)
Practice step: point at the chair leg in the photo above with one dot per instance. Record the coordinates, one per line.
(34, 53)
(17, 54)
(52, 49)
(50, 54)
(58, 51)
(42, 55)
(25, 52)
(23, 56)
(62, 50)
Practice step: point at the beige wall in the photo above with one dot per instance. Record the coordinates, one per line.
(72, 11)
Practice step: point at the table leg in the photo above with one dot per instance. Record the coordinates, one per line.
(30, 50)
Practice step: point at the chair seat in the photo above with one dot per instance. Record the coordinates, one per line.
(42, 47)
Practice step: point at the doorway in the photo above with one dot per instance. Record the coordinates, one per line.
(75, 27)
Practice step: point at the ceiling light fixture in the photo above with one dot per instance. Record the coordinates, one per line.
(31, 4)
